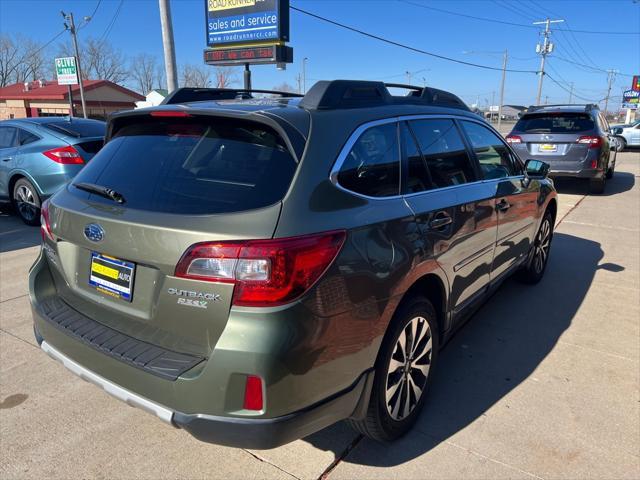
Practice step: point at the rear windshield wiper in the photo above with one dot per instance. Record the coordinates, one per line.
(100, 190)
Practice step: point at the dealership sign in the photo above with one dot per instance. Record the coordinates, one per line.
(630, 99)
(66, 71)
(238, 22)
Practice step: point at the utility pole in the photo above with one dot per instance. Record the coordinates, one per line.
(545, 49)
(571, 94)
(493, 99)
(408, 74)
(74, 35)
(304, 74)
(168, 45)
(611, 75)
(504, 75)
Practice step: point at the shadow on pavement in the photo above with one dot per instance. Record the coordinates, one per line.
(14, 234)
(500, 347)
(621, 182)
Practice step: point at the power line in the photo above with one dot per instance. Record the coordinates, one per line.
(514, 8)
(48, 43)
(401, 45)
(592, 68)
(107, 30)
(569, 91)
(503, 22)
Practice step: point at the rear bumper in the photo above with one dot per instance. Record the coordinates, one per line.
(585, 173)
(235, 432)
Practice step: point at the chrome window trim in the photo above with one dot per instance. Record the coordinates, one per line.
(353, 138)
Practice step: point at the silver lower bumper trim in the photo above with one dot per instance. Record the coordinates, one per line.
(130, 398)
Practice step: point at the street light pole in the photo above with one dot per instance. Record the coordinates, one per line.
(168, 45)
(504, 75)
(72, 28)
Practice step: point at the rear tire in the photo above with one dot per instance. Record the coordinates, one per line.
(402, 380)
(27, 202)
(596, 185)
(536, 264)
(611, 169)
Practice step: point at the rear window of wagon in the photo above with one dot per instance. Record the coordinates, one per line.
(192, 166)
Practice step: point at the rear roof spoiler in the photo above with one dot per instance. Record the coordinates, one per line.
(331, 95)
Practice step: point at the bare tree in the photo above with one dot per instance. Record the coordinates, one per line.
(99, 60)
(144, 71)
(196, 76)
(285, 87)
(225, 77)
(21, 60)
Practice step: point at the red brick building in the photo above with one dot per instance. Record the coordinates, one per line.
(47, 98)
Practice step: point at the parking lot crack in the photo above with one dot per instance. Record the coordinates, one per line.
(18, 338)
(264, 460)
(14, 298)
(324, 475)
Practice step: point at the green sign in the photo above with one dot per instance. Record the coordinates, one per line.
(67, 71)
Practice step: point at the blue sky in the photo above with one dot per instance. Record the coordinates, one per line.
(338, 53)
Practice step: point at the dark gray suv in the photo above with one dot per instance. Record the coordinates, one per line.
(253, 270)
(573, 139)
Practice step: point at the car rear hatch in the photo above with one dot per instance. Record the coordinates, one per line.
(85, 136)
(558, 138)
(178, 181)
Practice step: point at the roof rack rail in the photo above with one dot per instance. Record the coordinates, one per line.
(189, 94)
(340, 94)
(587, 106)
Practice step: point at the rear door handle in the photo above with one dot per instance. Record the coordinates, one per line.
(441, 220)
(503, 205)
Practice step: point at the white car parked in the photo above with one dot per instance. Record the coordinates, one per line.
(627, 135)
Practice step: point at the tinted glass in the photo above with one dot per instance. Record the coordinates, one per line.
(372, 167)
(78, 128)
(7, 137)
(493, 155)
(26, 138)
(444, 151)
(418, 178)
(555, 123)
(193, 167)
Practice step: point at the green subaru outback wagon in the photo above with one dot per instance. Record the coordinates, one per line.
(253, 270)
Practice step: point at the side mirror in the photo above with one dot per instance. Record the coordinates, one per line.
(617, 131)
(535, 169)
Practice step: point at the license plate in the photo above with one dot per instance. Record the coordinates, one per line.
(112, 276)
(547, 147)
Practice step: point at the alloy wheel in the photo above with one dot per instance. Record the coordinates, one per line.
(26, 203)
(541, 246)
(408, 368)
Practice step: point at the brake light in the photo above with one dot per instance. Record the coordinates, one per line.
(169, 113)
(592, 141)
(45, 225)
(514, 139)
(253, 393)
(65, 155)
(264, 272)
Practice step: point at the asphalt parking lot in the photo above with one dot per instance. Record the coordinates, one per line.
(543, 382)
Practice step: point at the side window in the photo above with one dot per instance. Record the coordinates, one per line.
(7, 137)
(493, 155)
(372, 167)
(25, 138)
(418, 177)
(444, 152)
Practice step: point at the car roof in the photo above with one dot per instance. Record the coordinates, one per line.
(536, 109)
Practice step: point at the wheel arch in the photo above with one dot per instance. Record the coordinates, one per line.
(17, 175)
(552, 207)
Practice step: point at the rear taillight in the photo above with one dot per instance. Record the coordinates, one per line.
(514, 139)
(592, 141)
(264, 272)
(253, 393)
(64, 155)
(45, 225)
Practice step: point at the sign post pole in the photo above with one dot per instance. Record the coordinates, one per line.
(71, 112)
(247, 77)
